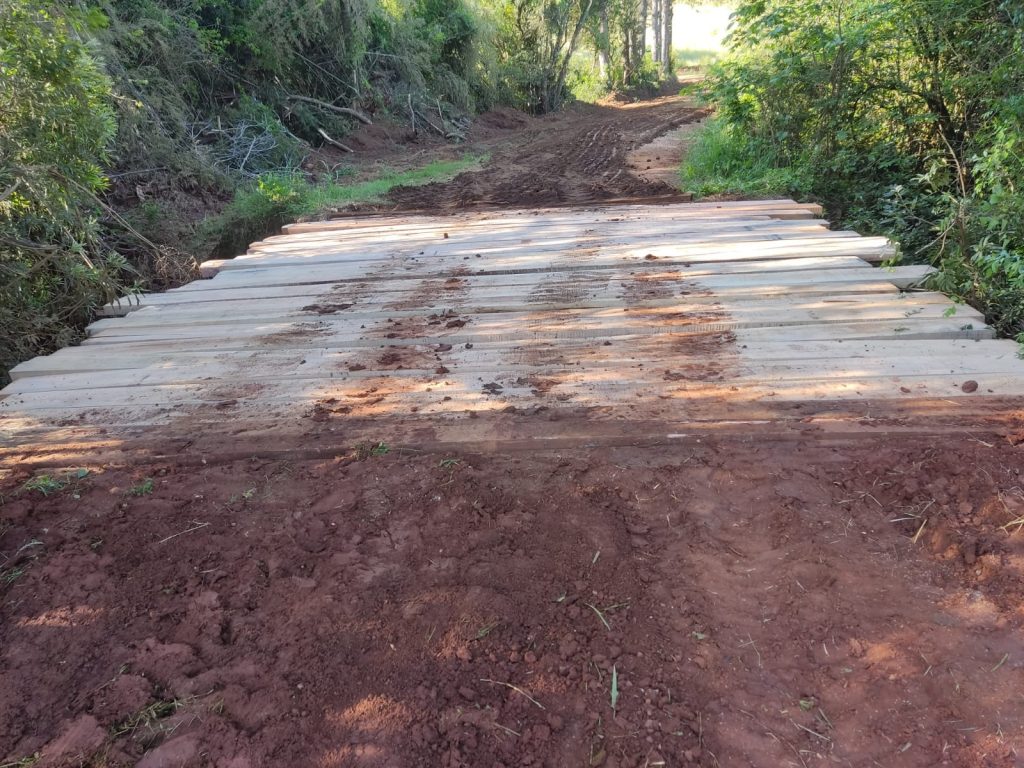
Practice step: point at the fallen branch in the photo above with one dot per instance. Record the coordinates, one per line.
(9, 191)
(341, 110)
(333, 142)
(427, 120)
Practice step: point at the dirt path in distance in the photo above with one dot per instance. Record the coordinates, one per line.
(574, 157)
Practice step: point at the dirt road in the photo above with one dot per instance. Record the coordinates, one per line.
(780, 597)
(575, 157)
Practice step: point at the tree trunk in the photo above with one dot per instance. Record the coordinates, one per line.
(659, 35)
(640, 41)
(627, 54)
(604, 44)
(666, 45)
(644, 10)
(556, 99)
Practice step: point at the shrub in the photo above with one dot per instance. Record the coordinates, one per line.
(903, 118)
(55, 125)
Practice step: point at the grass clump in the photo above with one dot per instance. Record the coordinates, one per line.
(44, 484)
(276, 199)
(47, 484)
(722, 161)
(24, 762)
(145, 724)
(142, 489)
(365, 451)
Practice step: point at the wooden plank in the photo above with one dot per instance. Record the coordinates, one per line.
(151, 324)
(437, 227)
(129, 354)
(846, 281)
(570, 249)
(330, 275)
(369, 312)
(866, 249)
(456, 391)
(753, 344)
(513, 330)
(499, 299)
(386, 237)
(661, 353)
(571, 244)
(552, 216)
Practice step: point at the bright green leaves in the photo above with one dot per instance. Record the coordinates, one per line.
(904, 116)
(55, 128)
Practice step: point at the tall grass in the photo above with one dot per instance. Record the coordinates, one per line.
(721, 161)
(278, 199)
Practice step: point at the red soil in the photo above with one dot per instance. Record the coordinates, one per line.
(758, 605)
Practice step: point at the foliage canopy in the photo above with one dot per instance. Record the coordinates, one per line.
(903, 116)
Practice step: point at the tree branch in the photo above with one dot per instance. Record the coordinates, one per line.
(341, 110)
(332, 142)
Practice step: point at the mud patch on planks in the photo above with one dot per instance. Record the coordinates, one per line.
(703, 356)
(298, 333)
(340, 297)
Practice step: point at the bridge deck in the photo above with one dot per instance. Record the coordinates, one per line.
(579, 324)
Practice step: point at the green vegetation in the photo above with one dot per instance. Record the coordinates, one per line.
(128, 126)
(365, 451)
(904, 118)
(145, 724)
(55, 127)
(722, 160)
(278, 198)
(44, 484)
(13, 567)
(142, 489)
(696, 57)
(47, 484)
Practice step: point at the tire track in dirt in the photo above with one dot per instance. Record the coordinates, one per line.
(577, 156)
(828, 637)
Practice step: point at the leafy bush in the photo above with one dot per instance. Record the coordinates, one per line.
(902, 117)
(584, 81)
(55, 125)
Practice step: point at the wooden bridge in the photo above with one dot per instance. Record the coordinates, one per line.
(614, 323)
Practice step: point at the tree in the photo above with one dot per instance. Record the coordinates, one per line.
(55, 128)
(904, 116)
(550, 31)
(666, 39)
(658, 29)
